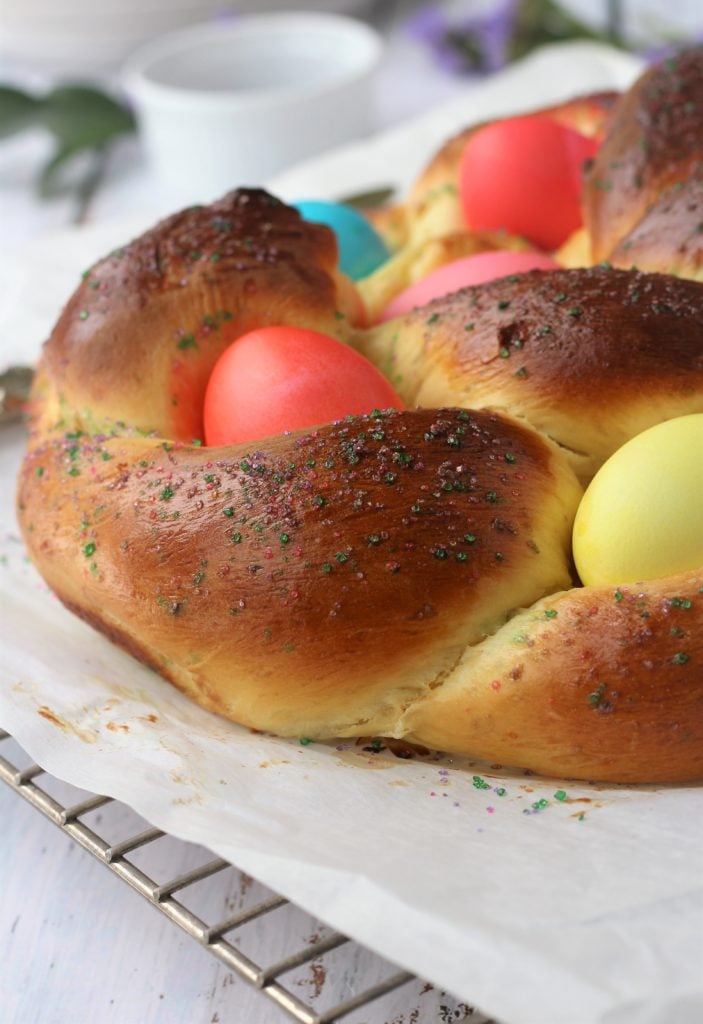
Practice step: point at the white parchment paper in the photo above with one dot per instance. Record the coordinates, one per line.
(540, 901)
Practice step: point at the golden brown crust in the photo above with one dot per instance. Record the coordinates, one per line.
(166, 306)
(669, 237)
(601, 683)
(653, 144)
(317, 581)
(590, 357)
(403, 574)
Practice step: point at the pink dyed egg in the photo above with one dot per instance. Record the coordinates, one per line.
(483, 266)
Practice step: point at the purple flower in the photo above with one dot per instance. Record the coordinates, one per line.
(462, 44)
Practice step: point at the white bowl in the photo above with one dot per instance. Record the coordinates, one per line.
(76, 38)
(230, 104)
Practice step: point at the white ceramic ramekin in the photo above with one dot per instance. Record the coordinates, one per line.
(232, 103)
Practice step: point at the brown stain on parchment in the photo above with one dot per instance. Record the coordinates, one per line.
(86, 735)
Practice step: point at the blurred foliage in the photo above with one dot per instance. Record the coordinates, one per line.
(538, 22)
(83, 120)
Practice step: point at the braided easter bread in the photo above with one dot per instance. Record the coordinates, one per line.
(399, 574)
(642, 197)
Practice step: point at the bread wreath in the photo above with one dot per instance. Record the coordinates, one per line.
(404, 574)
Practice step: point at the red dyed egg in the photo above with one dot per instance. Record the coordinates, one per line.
(523, 174)
(282, 378)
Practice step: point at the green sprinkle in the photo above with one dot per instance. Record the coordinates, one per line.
(374, 538)
(89, 549)
(229, 511)
(470, 538)
(575, 311)
(509, 457)
(504, 353)
(167, 493)
(492, 496)
(236, 538)
(342, 557)
(469, 327)
(326, 567)
(461, 556)
(522, 372)
(319, 501)
(595, 698)
(550, 613)
(680, 658)
(74, 471)
(304, 741)
(501, 791)
(284, 538)
(539, 805)
(504, 303)
(187, 341)
(560, 795)
(480, 783)
(433, 319)
(83, 315)
(618, 595)
(440, 553)
(40, 471)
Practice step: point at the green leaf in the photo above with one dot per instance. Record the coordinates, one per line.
(364, 200)
(49, 182)
(18, 110)
(84, 118)
(540, 22)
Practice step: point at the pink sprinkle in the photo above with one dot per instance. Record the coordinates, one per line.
(490, 810)
(495, 685)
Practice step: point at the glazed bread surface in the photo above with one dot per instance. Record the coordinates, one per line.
(404, 574)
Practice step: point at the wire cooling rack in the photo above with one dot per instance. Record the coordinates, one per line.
(217, 934)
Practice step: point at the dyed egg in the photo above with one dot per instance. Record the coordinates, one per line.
(361, 248)
(284, 378)
(523, 174)
(642, 515)
(483, 266)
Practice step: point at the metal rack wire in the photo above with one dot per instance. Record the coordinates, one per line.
(218, 937)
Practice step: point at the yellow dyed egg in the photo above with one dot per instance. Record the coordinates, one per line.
(642, 514)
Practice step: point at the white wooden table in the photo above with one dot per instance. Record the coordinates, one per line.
(77, 944)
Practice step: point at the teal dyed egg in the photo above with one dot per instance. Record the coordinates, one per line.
(361, 248)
